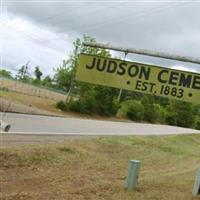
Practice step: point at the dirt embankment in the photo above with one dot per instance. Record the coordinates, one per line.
(19, 97)
(7, 105)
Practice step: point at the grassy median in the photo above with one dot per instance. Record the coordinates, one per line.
(96, 168)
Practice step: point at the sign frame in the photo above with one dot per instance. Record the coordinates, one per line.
(139, 77)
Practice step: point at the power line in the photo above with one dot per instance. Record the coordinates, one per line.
(33, 38)
(40, 40)
(139, 14)
(63, 12)
(93, 11)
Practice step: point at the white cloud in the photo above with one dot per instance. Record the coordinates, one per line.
(44, 32)
(25, 41)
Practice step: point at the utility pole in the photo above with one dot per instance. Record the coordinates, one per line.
(145, 52)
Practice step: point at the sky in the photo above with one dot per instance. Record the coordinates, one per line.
(43, 32)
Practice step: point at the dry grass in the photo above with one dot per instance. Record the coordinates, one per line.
(29, 89)
(96, 169)
(32, 101)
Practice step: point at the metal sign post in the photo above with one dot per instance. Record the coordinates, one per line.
(145, 52)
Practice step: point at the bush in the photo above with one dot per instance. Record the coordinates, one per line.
(197, 123)
(152, 113)
(171, 118)
(36, 82)
(84, 105)
(180, 114)
(61, 105)
(98, 100)
(132, 109)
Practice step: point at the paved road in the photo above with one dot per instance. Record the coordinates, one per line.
(33, 124)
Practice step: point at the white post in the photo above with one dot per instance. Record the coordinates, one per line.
(196, 189)
(133, 173)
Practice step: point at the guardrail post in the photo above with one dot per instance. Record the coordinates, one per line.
(196, 188)
(133, 173)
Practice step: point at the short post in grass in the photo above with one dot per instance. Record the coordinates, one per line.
(133, 174)
(196, 189)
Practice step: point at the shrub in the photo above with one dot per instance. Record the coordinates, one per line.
(181, 114)
(197, 123)
(95, 100)
(152, 113)
(132, 109)
(83, 105)
(171, 118)
(61, 105)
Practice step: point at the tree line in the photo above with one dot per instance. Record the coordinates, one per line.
(106, 101)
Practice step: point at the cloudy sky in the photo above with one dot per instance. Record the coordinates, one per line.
(43, 32)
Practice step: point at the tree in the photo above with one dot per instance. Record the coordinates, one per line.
(47, 81)
(23, 73)
(64, 76)
(38, 73)
(93, 99)
(5, 73)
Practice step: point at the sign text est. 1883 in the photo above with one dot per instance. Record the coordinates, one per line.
(139, 77)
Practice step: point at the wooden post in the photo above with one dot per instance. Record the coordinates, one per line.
(133, 173)
(196, 189)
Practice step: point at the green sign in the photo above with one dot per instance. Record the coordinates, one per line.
(144, 78)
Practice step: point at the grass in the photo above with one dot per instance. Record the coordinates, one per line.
(33, 101)
(30, 89)
(96, 168)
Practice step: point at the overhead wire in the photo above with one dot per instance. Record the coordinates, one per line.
(64, 12)
(92, 11)
(57, 15)
(113, 20)
(46, 20)
(102, 13)
(33, 38)
(41, 41)
(139, 14)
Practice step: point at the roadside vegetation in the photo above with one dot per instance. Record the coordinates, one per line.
(93, 99)
(105, 101)
(97, 168)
